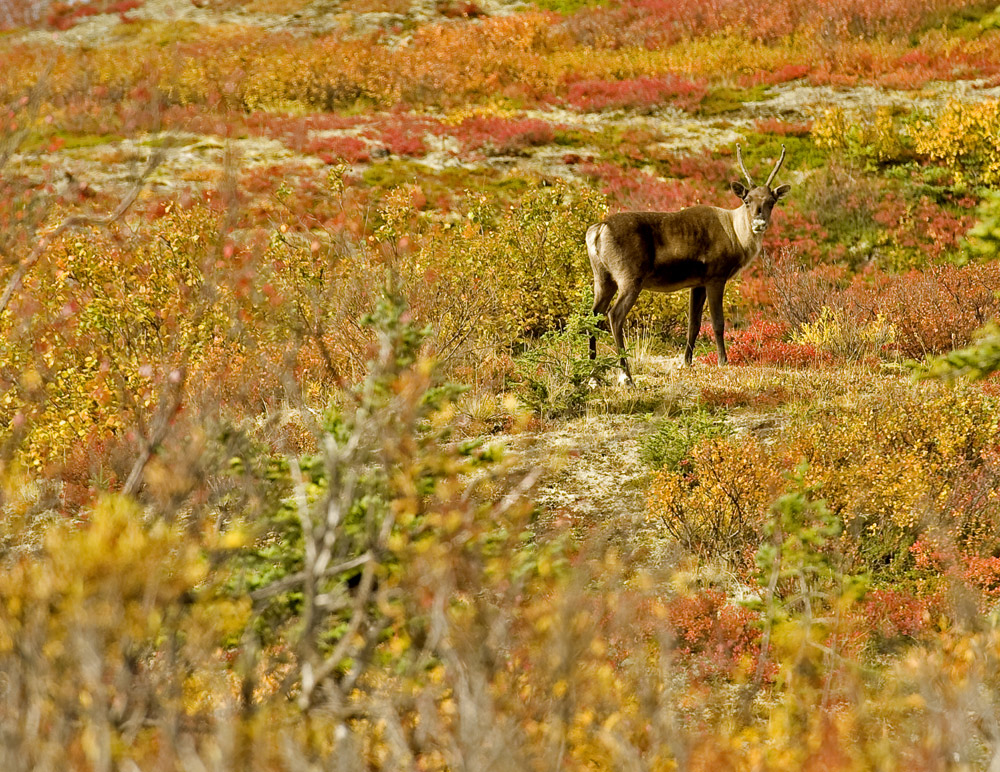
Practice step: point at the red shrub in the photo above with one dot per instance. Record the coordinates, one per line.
(464, 9)
(702, 168)
(782, 74)
(402, 133)
(984, 574)
(924, 227)
(784, 128)
(934, 310)
(797, 230)
(62, 16)
(335, 148)
(595, 95)
(503, 136)
(715, 636)
(893, 613)
(928, 556)
(768, 397)
(763, 342)
(638, 190)
(655, 23)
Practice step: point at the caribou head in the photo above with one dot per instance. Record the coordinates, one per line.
(759, 199)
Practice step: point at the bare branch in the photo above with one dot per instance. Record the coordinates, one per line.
(78, 221)
(161, 426)
(292, 580)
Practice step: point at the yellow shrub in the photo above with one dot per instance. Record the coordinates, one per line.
(887, 464)
(964, 137)
(835, 332)
(719, 497)
(79, 615)
(880, 137)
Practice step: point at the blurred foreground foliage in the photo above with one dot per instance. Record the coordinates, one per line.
(251, 516)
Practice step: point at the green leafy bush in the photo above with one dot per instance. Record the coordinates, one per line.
(555, 375)
(670, 444)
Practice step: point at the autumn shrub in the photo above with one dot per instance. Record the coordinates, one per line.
(957, 138)
(877, 138)
(142, 630)
(979, 360)
(402, 133)
(640, 190)
(103, 333)
(912, 314)
(783, 128)
(892, 614)
(798, 229)
(532, 255)
(596, 95)
(107, 627)
(962, 138)
(885, 467)
(932, 311)
(838, 334)
(790, 288)
(62, 16)
(845, 202)
(765, 342)
(522, 57)
(332, 149)
(97, 317)
(500, 136)
(716, 502)
(715, 637)
(715, 398)
(652, 25)
(919, 232)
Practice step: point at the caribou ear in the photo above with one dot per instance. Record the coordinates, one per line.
(781, 190)
(739, 189)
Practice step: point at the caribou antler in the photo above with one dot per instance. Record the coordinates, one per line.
(776, 166)
(739, 157)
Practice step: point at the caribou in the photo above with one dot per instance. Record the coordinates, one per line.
(699, 248)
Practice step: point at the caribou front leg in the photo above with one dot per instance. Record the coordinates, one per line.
(715, 293)
(695, 308)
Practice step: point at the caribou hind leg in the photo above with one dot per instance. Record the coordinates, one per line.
(616, 319)
(604, 290)
(605, 286)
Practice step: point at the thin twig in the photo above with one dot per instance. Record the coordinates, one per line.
(292, 580)
(161, 426)
(77, 221)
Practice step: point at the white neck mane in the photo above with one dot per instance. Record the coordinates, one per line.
(749, 240)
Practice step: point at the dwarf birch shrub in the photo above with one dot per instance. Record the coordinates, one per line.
(531, 254)
(837, 333)
(887, 468)
(673, 439)
(963, 137)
